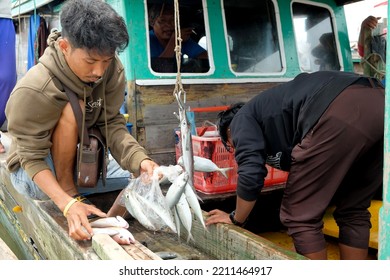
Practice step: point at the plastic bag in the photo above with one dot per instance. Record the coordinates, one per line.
(146, 203)
(168, 173)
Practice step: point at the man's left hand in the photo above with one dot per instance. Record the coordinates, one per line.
(217, 216)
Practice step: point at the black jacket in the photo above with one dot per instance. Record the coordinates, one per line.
(267, 127)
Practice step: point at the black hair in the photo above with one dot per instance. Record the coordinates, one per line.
(93, 25)
(224, 120)
(157, 10)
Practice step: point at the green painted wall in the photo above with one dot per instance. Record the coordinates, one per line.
(136, 58)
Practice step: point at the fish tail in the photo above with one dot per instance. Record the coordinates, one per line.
(224, 171)
(190, 237)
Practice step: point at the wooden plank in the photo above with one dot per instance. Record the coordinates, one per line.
(229, 242)
(139, 252)
(5, 252)
(107, 249)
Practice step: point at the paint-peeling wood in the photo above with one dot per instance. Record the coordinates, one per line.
(43, 227)
(5, 252)
(163, 94)
(107, 249)
(139, 252)
(229, 242)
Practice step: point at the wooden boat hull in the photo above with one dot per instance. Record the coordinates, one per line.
(41, 230)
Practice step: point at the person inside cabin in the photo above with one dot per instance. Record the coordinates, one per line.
(326, 53)
(162, 39)
(84, 58)
(372, 48)
(321, 128)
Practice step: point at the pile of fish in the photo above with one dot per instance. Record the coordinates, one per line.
(159, 212)
(116, 227)
(146, 203)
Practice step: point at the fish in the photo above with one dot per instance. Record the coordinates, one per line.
(133, 206)
(159, 211)
(185, 139)
(187, 155)
(193, 201)
(176, 189)
(119, 234)
(185, 215)
(117, 221)
(165, 255)
(202, 164)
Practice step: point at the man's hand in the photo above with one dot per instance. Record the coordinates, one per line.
(148, 166)
(217, 216)
(370, 22)
(79, 227)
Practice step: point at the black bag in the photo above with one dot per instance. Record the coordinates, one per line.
(91, 160)
(91, 154)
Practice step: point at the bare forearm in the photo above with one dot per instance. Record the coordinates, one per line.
(243, 209)
(49, 185)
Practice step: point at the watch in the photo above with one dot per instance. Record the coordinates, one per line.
(234, 221)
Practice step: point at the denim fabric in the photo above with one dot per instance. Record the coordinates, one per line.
(117, 178)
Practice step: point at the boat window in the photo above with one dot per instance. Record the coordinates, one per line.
(162, 37)
(315, 38)
(252, 36)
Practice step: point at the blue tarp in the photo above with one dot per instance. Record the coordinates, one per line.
(32, 33)
(8, 74)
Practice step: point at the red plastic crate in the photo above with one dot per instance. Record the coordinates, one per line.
(214, 182)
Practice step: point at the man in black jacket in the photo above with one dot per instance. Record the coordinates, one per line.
(326, 129)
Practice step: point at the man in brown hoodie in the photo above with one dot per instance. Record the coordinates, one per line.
(83, 57)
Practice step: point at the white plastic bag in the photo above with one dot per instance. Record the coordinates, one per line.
(146, 203)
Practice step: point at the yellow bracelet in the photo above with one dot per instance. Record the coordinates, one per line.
(70, 203)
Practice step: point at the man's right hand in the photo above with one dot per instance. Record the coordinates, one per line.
(370, 22)
(77, 220)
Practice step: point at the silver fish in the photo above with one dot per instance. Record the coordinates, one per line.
(185, 215)
(117, 221)
(202, 164)
(176, 189)
(133, 206)
(185, 139)
(193, 201)
(188, 156)
(151, 208)
(165, 255)
(119, 234)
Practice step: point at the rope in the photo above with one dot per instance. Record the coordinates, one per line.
(178, 41)
(378, 73)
